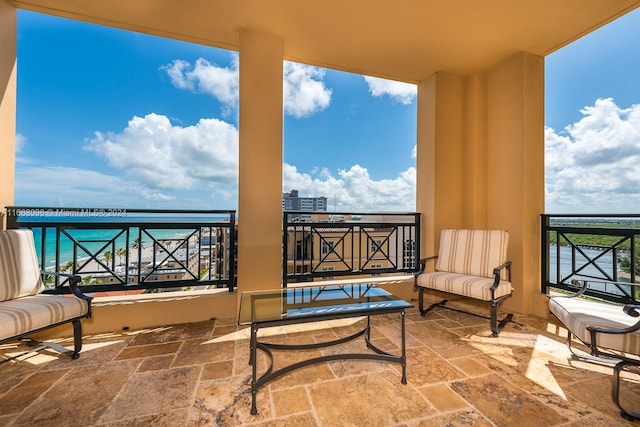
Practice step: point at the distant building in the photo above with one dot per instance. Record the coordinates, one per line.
(292, 202)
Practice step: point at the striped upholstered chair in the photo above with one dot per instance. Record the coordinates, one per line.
(24, 309)
(611, 332)
(472, 264)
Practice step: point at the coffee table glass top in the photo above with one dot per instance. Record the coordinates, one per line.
(316, 301)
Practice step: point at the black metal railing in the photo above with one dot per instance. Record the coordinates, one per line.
(322, 245)
(602, 248)
(133, 249)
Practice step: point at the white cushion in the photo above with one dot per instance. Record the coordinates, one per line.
(578, 313)
(472, 252)
(19, 270)
(29, 313)
(460, 284)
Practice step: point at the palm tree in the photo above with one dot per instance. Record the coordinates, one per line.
(121, 252)
(49, 281)
(67, 266)
(89, 280)
(136, 243)
(108, 256)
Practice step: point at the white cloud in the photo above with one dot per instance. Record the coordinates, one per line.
(204, 77)
(354, 190)
(21, 141)
(179, 73)
(403, 93)
(593, 166)
(304, 90)
(152, 151)
(40, 185)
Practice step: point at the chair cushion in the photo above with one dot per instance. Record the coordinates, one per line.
(21, 315)
(578, 313)
(472, 252)
(19, 270)
(460, 284)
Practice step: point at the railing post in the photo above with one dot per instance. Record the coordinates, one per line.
(544, 226)
(418, 234)
(12, 218)
(632, 261)
(232, 251)
(285, 251)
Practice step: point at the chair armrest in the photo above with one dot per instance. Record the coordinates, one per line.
(577, 293)
(632, 310)
(74, 280)
(496, 274)
(498, 269)
(585, 284)
(423, 264)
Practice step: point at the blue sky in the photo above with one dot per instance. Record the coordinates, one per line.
(110, 118)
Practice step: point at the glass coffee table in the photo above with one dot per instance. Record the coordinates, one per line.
(294, 305)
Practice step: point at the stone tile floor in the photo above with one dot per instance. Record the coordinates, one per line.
(198, 374)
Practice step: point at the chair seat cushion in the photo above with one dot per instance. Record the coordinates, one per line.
(578, 313)
(30, 313)
(460, 284)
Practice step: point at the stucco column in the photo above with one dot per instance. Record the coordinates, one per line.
(260, 165)
(8, 76)
(515, 170)
(439, 181)
(480, 163)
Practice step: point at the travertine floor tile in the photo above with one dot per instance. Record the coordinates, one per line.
(199, 374)
(149, 393)
(503, 403)
(91, 388)
(367, 400)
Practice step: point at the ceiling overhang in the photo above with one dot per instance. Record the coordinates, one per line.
(405, 40)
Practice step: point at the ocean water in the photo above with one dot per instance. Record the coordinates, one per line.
(93, 240)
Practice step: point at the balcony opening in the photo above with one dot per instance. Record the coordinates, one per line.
(114, 126)
(349, 140)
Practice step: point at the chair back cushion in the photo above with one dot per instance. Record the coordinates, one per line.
(19, 270)
(472, 252)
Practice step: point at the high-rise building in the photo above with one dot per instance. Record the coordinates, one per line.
(293, 202)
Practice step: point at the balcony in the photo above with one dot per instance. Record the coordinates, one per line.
(198, 374)
(192, 373)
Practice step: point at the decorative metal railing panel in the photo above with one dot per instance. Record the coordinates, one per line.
(602, 248)
(133, 249)
(322, 245)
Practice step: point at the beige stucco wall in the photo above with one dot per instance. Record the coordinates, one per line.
(8, 75)
(480, 163)
(439, 182)
(152, 310)
(515, 172)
